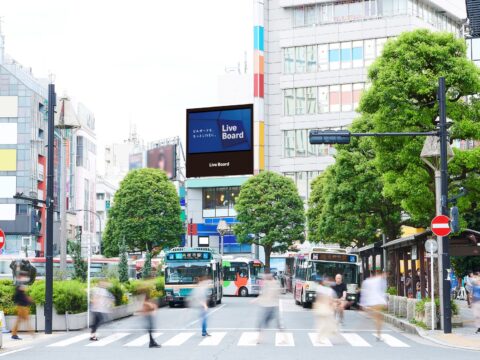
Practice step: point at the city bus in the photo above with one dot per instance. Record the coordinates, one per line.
(241, 276)
(183, 269)
(324, 263)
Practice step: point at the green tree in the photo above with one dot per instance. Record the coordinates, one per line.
(147, 266)
(270, 213)
(346, 205)
(123, 265)
(146, 211)
(462, 264)
(402, 97)
(79, 265)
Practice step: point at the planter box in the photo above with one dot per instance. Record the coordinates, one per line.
(428, 315)
(411, 305)
(402, 307)
(396, 305)
(391, 304)
(11, 319)
(61, 322)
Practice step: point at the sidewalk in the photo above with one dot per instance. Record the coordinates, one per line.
(28, 340)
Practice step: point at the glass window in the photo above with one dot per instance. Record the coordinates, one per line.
(233, 193)
(380, 44)
(475, 49)
(289, 143)
(357, 92)
(289, 102)
(369, 49)
(310, 15)
(323, 149)
(370, 8)
(326, 13)
(347, 100)
(311, 149)
(357, 54)
(387, 7)
(289, 60)
(22, 209)
(355, 10)
(302, 184)
(323, 57)
(346, 55)
(301, 142)
(334, 98)
(311, 58)
(209, 198)
(340, 12)
(402, 7)
(300, 101)
(323, 101)
(299, 16)
(221, 199)
(334, 56)
(300, 56)
(311, 100)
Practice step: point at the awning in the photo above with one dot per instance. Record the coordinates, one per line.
(407, 240)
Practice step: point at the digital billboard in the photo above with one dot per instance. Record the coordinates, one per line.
(164, 158)
(135, 161)
(220, 141)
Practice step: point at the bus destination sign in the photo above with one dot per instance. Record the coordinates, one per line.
(191, 255)
(334, 257)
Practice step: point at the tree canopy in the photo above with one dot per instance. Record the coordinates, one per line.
(145, 212)
(270, 213)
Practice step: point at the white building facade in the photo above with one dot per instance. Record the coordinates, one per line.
(317, 55)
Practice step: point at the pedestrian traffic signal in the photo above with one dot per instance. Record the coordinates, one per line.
(329, 137)
(107, 204)
(454, 219)
(38, 220)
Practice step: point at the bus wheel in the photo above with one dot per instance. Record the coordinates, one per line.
(219, 301)
(171, 304)
(243, 292)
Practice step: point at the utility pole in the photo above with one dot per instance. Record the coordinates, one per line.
(444, 253)
(49, 242)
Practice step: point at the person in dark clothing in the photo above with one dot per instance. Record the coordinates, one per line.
(149, 308)
(340, 290)
(23, 302)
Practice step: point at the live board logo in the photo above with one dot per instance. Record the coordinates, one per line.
(232, 132)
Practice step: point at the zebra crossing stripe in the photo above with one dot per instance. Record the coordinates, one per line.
(108, 340)
(179, 339)
(392, 341)
(213, 340)
(70, 341)
(284, 339)
(249, 338)
(355, 340)
(317, 341)
(142, 340)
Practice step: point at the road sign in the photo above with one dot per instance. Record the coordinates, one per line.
(441, 225)
(431, 246)
(2, 239)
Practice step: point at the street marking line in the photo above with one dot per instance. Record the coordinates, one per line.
(15, 351)
(70, 341)
(108, 340)
(178, 339)
(249, 338)
(142, 340)
(213, 340)
(391, 341)
(355, 340)
(284, 339)
(314, 338)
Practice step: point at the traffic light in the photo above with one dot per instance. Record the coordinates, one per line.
(37, 220)
(454, 219)
(107, 204)
(79, 232)
(329, 137)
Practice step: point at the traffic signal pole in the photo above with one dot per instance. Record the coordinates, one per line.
(344, 136)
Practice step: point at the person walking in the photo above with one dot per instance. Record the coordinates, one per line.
(373, 299)
(324, 308)
(101, 304)
(22, 302)
(149, 310)
(199, 299)
(476, 300)
(269, 303)
(340, 302)
(469, 287)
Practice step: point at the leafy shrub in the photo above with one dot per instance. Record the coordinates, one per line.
(160, 285)
(118, 292)
(68, 296)
(419, 324)
(7, 291)
(392, 290)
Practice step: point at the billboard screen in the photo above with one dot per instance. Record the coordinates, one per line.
(164, 158)
(135, 161)
(220, 141)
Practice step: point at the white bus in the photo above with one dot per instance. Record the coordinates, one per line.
(241, 276)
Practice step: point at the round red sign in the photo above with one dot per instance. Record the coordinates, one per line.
(441, 225)
(2, 239)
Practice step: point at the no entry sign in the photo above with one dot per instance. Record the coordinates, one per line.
(441, 225)
(2, 239)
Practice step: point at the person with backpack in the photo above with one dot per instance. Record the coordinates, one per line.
(23, 303)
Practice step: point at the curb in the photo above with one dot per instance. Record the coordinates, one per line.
(412, 329)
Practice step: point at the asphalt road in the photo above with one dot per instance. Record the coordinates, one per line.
(233, 326)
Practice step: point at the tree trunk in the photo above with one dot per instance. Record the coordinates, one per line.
(268, 251)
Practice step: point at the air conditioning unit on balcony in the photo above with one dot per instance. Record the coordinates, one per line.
(41, 172)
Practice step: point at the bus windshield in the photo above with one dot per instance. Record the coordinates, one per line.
(330, 269)
(255, 271)
(186, 273)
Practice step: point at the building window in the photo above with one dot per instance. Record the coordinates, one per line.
(311, 58)
(204, 241)
(300, 143)
(303, 180)
(322, 57)
(80, 146)
(334, 97)
(86, 205)
(299, 16)
(22, 209)
(296, 144)
(323, 99)
(347, 100)
(311, 100)
(310, 15)
(289, 143)
(300, 59)
(289, 102)
(300, 101)
(289, 60)
(209, 202)
(334, 56)
(100, 196)
(218, 202)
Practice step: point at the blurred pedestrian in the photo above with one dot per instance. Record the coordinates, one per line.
(373, 299)
(102, 302)
(324, 309)
(469, 286)
(199, 299)
(476, 300)
(340, 302)
(269, 302)
(23, 302)
(149, 310)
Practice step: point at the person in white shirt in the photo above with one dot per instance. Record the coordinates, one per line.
(102, 302)
(199, 299)
(373, 299)
(324, 308)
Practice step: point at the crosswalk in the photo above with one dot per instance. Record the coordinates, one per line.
(238, 338)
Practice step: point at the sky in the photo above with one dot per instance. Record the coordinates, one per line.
(140, 62)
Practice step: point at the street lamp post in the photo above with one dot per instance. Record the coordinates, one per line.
(223, 228)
